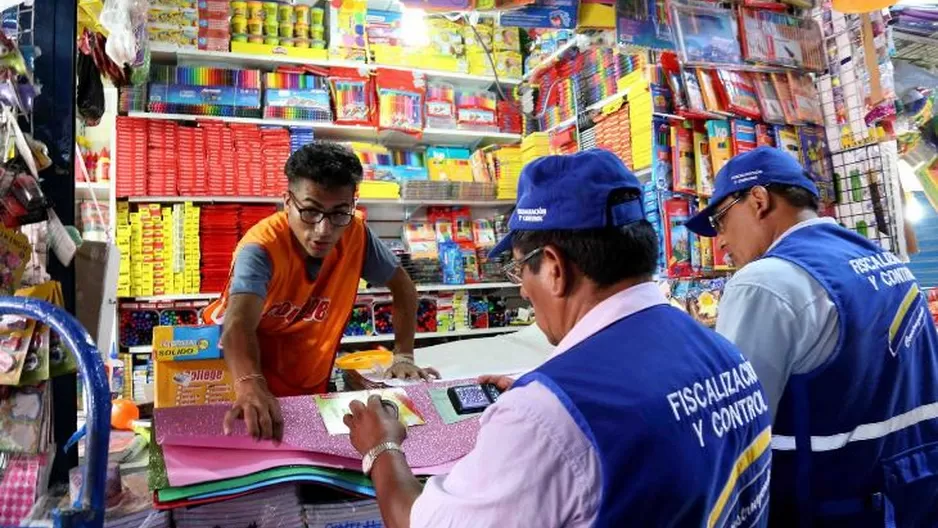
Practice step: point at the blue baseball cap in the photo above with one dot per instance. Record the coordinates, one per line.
(572, 192)
(762, 166)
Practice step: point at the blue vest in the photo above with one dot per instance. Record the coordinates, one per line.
(856, 440)
(677, 418)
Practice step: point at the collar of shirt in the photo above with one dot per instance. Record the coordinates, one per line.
(801, 225)
(619, 306)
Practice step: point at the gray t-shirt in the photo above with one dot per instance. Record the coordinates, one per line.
(780, 318)
(252, 268)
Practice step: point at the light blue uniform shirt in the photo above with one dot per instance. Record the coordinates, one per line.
(781, 319)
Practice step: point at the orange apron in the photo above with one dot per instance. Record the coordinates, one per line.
(303, 320)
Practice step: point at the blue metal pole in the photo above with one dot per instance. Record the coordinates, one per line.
(54, 124)
(88, 512)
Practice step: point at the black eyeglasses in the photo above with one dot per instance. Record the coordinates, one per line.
(717, 217)
(312, 216)
(515, 268)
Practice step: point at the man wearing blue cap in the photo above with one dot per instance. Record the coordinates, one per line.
(839, 335)
(641, 417)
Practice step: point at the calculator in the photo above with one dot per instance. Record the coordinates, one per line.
(471, 399)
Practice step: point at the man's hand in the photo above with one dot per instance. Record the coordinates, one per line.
(373, 424)
(408, 371)
(502, 382)
(259, 409)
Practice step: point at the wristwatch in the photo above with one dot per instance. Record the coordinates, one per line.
(369, 459)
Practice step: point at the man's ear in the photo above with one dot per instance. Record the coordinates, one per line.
(554, 271)
(762, 201)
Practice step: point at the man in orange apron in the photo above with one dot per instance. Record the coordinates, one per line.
(293, 282)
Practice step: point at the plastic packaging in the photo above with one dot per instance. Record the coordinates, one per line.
(121, 18)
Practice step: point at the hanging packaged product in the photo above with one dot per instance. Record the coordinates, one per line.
(718, 134)
(783, 89)
(400, 100)
(676, 213)
(772, 111)
(744, 136)
(706, 35)
(807, 102)
(353, 96)
(682, 153)
(739, 94)
(703, 166)
(786, 138)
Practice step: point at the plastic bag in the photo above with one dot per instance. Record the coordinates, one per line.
(122, 18)
(90, 91)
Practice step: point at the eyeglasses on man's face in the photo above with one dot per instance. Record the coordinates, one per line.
(313, 216)
(515, 268)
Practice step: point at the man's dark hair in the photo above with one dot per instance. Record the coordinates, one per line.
(797, 197)
(327, 164)
(606, 256)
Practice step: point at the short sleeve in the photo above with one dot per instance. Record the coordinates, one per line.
(380, 263)
(781, 319)
(252, 271)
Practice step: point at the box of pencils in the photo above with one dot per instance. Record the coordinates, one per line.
(204, 91)
(296, 96)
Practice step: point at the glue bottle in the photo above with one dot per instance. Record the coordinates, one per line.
(117, 374)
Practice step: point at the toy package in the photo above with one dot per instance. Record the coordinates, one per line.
(676, 212)
(682, 162)
(708, 91)
(483, 233)
(772, 110)
(816, 159)
(786, 138)
(420, 239)
(739, 94)
(661, 99)
(703, 167)
(400, 100)
(744, 136)
(718, 134)
(705, 247)
(695, 97)
(764, 136)
(451, 261)
(662, 155)
(703, 301)
(707, 35)
(353, 95)
(806, 99)
(671, 70)
(782, 88)
(441, 105)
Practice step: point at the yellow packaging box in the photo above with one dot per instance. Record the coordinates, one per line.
(188, 367)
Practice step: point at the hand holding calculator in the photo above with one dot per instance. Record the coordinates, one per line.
(474, 398)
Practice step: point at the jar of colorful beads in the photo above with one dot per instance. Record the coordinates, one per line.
(136, 326)
(426, 314)
(361, 322)
(383, 310)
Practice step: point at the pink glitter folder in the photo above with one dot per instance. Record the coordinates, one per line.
(432, 445)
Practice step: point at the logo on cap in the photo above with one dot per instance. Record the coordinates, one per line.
(532, 215)
(746, 176)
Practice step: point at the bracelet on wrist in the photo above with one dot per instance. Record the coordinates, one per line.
(250, 377)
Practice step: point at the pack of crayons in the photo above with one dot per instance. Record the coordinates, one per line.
(353, 95)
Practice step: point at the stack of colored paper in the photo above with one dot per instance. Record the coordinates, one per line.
(131, 168)
(218, 233)
(195, 463)
(640, 117)
(508, 163)
(249, 215)
(249, 162)
(191, 167)
(275, 151)
(534, 146)
(270, 508)
(161, 158)
(379, 190)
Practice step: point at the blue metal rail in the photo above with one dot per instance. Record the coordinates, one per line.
(88, 510)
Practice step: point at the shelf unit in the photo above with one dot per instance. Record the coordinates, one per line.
(166, 54)
(384, 338)
(430, 136)
(100, 190)
(366, 291)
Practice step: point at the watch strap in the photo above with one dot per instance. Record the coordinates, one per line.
(369, 459)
